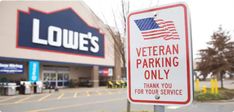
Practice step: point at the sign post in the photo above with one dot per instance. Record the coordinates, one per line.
(159, 108)
(160, 56)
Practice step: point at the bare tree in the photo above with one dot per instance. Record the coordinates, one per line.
(119, 33)
(118, 40)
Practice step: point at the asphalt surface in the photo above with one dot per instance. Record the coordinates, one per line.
(95, 100)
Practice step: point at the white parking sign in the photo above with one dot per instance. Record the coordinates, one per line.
(159, 56)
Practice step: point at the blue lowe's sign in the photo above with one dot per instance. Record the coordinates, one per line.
(61, 31)
(34, 71)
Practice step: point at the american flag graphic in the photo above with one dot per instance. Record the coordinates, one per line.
(152, 28)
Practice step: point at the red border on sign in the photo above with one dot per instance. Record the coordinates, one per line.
(187, 57)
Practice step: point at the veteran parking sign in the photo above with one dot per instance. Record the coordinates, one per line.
(159, 56)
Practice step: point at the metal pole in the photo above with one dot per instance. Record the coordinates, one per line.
(128, 106)
(1, 89)
(159, 108)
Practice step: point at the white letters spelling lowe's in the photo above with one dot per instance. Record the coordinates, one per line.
(69, 39)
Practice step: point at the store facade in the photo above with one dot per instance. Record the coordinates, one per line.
(62, 43)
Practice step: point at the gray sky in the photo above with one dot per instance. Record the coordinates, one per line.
(206, 15)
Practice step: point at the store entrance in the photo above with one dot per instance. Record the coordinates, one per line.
(58, 79)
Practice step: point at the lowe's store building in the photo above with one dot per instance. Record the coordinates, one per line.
(63, 43)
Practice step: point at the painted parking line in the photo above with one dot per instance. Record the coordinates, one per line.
(119, 92)
(44, 97)
(173, 107)
(76, 105)
(7, 99)
(98, 93)
(109, 92)
(87, 93)
(75, 95)
(24, 99)
(60, 96)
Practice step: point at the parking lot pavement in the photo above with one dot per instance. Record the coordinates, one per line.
(62, 94)
(94, 100)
